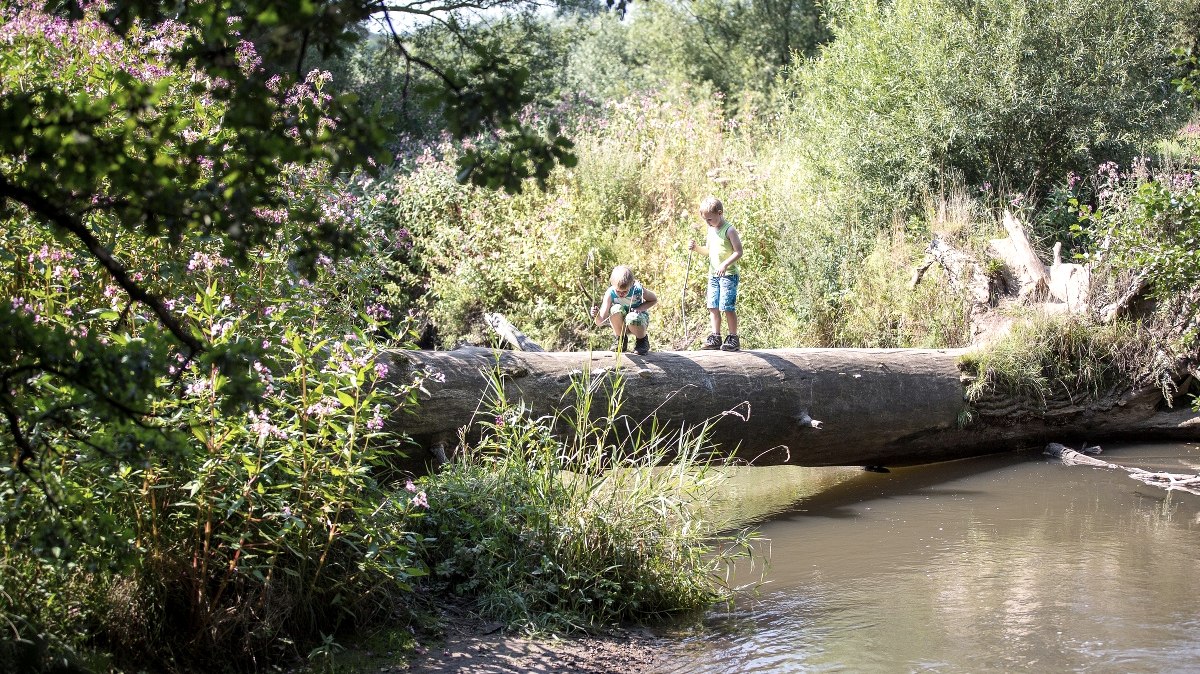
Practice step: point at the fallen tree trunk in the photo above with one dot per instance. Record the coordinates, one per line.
(811, 407)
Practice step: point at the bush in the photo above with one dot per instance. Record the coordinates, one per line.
(210, 526)
(177, 507)
(920, 93)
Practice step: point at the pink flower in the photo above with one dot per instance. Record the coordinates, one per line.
(375, 423)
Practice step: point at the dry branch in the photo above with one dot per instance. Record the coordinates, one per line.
(1169, 481)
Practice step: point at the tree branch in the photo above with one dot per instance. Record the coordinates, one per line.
(25, 450)
(40, 205)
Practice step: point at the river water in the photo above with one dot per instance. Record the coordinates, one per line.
(1006, 563)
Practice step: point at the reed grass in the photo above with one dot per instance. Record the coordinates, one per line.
(567, 522)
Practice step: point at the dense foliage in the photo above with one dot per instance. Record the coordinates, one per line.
(197, 464)
(1007, 96)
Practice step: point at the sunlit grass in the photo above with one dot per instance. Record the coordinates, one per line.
(569, 522)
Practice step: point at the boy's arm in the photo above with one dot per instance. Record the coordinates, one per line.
(602, 315)
(692, 245)
(649, 299)
(736, 242)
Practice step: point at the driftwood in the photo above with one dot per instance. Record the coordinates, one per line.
(813, 407)
(1168, 481)
(1119, 307)
(963, 272)
(965, 276)
(510, 334)
(1070, 283)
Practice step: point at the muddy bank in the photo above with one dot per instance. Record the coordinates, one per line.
(474, 646)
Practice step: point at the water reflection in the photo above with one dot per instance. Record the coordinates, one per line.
(1003, 563)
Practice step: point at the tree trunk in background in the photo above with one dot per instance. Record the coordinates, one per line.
(808, 407)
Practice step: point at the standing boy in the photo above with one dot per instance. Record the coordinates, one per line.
(724, 247)
(626, 305)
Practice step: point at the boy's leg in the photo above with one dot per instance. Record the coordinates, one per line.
(729, 288)
(617, 321)
(712, 299)
(713, 341)
(620, 334)
(639, 327)
(732, 341)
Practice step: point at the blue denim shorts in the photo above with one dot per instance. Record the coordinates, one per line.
(722, 292)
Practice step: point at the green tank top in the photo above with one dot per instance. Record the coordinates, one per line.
(719, 248)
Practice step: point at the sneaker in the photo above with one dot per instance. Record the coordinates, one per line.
(641, 346)
(732, 343)
(620, 344)
(712, 343)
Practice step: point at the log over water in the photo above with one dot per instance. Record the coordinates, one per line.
(810, 407)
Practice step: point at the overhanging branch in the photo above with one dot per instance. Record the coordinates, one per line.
(59, 217)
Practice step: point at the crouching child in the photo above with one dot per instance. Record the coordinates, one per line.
(626, 306)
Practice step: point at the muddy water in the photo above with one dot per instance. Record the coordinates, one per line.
(1006, 563)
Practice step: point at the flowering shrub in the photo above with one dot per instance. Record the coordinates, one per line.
(187, 505)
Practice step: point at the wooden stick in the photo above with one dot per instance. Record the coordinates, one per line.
(510, 334)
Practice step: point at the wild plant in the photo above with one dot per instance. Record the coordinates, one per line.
(1057, 360)
(578, 519)
(169, 505)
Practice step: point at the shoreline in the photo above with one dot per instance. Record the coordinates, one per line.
(471, 645)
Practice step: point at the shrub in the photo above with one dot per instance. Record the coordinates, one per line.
(912, 94)
(169, 506)
(209, 525)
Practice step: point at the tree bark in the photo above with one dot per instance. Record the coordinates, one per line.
(810, 407)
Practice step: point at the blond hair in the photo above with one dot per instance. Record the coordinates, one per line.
(710, 205)
(622, 277)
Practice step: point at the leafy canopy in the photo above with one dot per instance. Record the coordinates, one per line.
(182, 122)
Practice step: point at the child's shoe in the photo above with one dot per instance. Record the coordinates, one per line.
(620, 344)
(732, 343)
(641, 346)
(712, 343)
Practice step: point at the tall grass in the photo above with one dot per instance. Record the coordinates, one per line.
(542, 259)
(1069, 358)
(567, 522)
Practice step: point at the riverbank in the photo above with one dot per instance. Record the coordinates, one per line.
(471, 645)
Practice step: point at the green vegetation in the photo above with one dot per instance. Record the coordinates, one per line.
(200, 265)
(582, 533)
(1006, 96)
(1060, 358)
